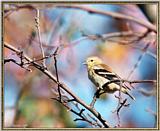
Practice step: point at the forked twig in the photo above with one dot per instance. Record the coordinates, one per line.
(62, 85)
(56, 69)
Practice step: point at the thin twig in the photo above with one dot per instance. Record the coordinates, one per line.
(113, 34)
(119, 107)
(98, 124)
(36, 60)
(81, 113)
(142, 49)
(63, 86)
(151, 112)
(96, 95)
(82, 118)
(142, 55)
(139, 81)
(154, 114)
(147, 93)
(109, 37)
(90, 10)
(116, 15)
(138, 61)
(56, 69)
(122, 104)
(19, 64)
(37, 20)
(9, 11)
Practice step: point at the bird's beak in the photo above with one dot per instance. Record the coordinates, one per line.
(84, 63)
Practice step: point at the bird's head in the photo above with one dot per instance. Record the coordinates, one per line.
(92, 61)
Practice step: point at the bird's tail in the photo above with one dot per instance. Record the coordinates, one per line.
(130, 96)
(124, 90)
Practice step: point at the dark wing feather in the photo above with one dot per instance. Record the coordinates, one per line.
(107, 73)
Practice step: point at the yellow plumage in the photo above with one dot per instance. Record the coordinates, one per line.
(100, 74)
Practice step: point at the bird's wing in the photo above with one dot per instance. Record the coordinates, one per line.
(106, 72)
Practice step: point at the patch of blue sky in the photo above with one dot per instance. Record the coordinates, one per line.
(89, 23)
(83, 49)
(148, 68)
(11, 90)
(140, 116)
(82, 87)
(64, 21)
(106, 106)
(85, 90)
(144, 66)
(87, 47)
(95, 24)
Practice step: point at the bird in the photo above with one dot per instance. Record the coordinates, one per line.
(103, 77)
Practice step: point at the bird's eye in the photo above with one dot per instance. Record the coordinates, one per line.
(91, 60)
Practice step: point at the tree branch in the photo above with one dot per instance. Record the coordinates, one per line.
(116, 15)
(37, 19)
(140, 81)
(62, 85)
(56, 69)
(19, 64)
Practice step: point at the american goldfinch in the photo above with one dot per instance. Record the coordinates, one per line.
(101, 74)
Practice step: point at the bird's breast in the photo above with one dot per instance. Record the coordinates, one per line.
(96, 79)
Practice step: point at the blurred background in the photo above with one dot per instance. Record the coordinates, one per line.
(27, 95)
